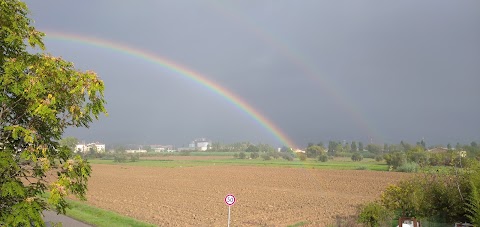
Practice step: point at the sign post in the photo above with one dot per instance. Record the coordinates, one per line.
(229, 200)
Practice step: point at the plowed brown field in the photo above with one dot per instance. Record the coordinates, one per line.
(265, 196)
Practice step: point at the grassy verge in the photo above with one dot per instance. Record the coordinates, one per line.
(341, 164)
(302, 223)
(98, 217)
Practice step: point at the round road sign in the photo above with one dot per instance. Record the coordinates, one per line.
(230, 199)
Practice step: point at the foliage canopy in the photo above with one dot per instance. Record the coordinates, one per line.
(40, 97)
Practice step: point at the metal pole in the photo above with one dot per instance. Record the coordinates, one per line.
(228, 216)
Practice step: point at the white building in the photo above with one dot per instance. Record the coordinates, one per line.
(99, 147)
(162, 148)
(136, 151)
(201, 144)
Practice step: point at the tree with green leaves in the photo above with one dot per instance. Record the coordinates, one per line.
(374, 148)
(353, 146)
(423, 144)
(40, 97)
(254, 155)
(251, 148)
(356, 157)
(314, 151)
(346, 147)
(265, 148)
(360, 146)
(332, 148)
(70, 142)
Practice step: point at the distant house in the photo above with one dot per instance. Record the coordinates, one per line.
(162, 148)
(201, 144)
(299, 151)
(97, 146)
(136, 151)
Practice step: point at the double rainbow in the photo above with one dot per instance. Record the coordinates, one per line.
(180, 70)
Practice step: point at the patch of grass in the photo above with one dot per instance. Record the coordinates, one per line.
(302, 223)
(361, 168)
(99, 217)
(340, 164)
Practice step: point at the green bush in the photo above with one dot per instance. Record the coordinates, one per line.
(134, 157)
(395, 159)
(275, 154)
(419, 157)
(367, 154)
(323, 158)
(254, 155)
(343, 154)
(473, 205)
(374, 214)
(242, 155)
(235, 155)
(430, 196)
(266, 157)
(409, 167)
(357, 157)
(379, 158)
(302, 156)
(119, 158)
(287, 156)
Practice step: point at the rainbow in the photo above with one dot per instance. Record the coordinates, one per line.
(296, 58)
(180, 70)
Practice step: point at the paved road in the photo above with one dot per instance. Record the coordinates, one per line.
(52, 216)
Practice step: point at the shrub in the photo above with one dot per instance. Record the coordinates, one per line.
(266, 157)
(323, 158)
(395, 159)
(419, 157)
(368, 154)
(134, 157)
(287, 156)
(433, 195)
(242, 155)
(254, 155)
(409, 167)
(357, 157)
(119, 158)
(473, 205)
(379, 158)
(302, 156)
(343, 154)
(275, 154)
(235, 155)
(374, 214)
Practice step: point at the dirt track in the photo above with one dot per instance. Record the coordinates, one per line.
(265, 196)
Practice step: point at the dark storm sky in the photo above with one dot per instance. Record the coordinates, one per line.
(319, 70)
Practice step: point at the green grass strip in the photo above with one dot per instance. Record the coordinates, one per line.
(99, 217)
(366, 164)
(302, 223)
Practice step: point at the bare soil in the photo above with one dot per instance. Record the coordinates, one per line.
(194, 196)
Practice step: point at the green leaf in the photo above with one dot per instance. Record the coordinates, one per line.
(13, 188)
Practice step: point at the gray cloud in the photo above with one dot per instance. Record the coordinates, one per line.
(319, 70)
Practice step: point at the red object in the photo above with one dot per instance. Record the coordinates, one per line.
(230, 199)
